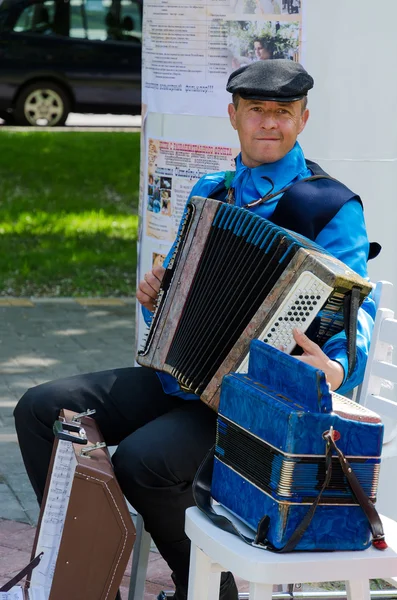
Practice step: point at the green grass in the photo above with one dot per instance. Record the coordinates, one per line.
(68, 213)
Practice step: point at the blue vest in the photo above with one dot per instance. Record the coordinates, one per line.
(308, 205)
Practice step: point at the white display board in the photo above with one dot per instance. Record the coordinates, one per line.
(350, 49)
(190, 48)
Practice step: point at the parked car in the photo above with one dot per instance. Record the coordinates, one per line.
(58, 56)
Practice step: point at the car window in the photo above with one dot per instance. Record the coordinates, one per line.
(131, 19)
(118, 20)
(36, 18)
(4, 13)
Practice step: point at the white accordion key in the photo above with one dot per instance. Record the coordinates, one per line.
(298, 309)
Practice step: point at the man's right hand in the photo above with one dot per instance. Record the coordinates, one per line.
(148, 288)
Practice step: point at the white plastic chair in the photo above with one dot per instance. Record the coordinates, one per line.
(140, 559)
(214, 551)
(379, 394)
(382, 295)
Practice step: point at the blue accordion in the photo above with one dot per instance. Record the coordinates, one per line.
(270, 453)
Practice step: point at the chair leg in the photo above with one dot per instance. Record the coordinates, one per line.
(358, 589)
(203, 584)
(140, 559)
(260, 591)
(215, 584)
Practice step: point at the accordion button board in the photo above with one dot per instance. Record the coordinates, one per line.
(298, 309)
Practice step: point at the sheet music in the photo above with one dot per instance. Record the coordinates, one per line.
(53, 520)
(15, 593)
(36, 593)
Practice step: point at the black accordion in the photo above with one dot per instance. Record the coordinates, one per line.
(233, 277)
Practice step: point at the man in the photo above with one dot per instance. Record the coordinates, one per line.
(163, 433)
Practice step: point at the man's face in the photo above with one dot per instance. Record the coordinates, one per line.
(267, 130)
(260, 52)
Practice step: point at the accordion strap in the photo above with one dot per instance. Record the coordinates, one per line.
(202, 497)
(25, 571)
(270, 195)
(350, 311)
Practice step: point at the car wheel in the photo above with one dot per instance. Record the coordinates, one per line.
(42, 103)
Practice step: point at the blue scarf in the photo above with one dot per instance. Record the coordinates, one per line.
(249, 184)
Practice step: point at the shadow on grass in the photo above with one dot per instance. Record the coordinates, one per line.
(59, 265)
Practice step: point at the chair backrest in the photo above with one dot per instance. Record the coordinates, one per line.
(382, 294)
(377, 390)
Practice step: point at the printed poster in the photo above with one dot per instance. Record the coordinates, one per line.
(190, 49)
(173, 169)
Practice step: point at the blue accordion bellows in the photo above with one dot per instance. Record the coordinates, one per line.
(270, 452)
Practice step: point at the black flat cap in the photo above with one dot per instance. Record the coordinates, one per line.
(279, 80)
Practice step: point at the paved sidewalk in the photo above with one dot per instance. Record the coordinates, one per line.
(40, 341)
(43, 340)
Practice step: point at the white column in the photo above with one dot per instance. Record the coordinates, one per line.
(351, 51)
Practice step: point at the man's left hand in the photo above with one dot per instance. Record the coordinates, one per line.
(313, 355)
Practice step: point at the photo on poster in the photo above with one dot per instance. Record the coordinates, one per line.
(159, 207)
(154, 194)
(166, 202)
(267, 7)
(250, 41)
(165, 193)
(157, 259)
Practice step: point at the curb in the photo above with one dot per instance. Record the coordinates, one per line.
(82, 301)
(93, 129)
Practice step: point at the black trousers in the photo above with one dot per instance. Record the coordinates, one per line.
(161, 443)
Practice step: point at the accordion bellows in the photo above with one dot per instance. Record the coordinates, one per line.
(270, 452)
(233, 277)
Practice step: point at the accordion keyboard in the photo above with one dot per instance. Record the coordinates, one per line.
(298, 309)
